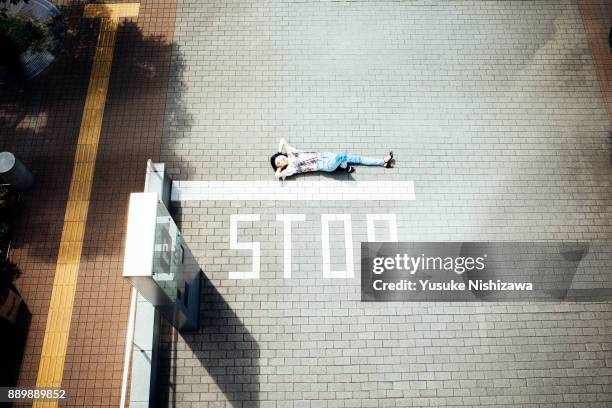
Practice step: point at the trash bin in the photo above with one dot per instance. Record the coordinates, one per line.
(14, 172)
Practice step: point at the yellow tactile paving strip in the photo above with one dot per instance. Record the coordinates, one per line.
(51, 367)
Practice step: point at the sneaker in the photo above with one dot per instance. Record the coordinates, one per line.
(389, 160)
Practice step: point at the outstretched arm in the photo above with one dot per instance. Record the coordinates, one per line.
(284, 147)
(288, 171)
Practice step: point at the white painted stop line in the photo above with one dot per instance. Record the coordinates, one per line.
(293, 190)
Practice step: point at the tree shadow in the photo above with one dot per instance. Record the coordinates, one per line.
(40, 121)
(178, 120)
(222, 346)
(138, 103)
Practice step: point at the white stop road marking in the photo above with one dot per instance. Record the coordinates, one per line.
(293, 190)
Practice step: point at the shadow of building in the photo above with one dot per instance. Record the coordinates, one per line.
(223, 347)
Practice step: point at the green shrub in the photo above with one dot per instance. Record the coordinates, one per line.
(18, 34)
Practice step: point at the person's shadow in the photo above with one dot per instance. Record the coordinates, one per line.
(339, 174)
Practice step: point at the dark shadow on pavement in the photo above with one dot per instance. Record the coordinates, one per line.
(223, 346)
(40, 121)
(132, 130)
(178, 120)
(339, 174)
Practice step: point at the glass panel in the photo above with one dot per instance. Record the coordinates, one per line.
(167, 254)
(174, 267)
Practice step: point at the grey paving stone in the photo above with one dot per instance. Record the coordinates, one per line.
(492, 108)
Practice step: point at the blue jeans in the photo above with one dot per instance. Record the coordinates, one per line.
(331, 161)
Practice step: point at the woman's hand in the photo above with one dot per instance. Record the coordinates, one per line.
(284, 147)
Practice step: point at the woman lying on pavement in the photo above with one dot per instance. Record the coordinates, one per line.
(289, 161)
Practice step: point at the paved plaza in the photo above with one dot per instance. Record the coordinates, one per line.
(499, 114)
(493, 110)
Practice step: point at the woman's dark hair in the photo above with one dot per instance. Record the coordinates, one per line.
(273, 160)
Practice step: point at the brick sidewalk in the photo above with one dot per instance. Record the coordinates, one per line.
(131, 134)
